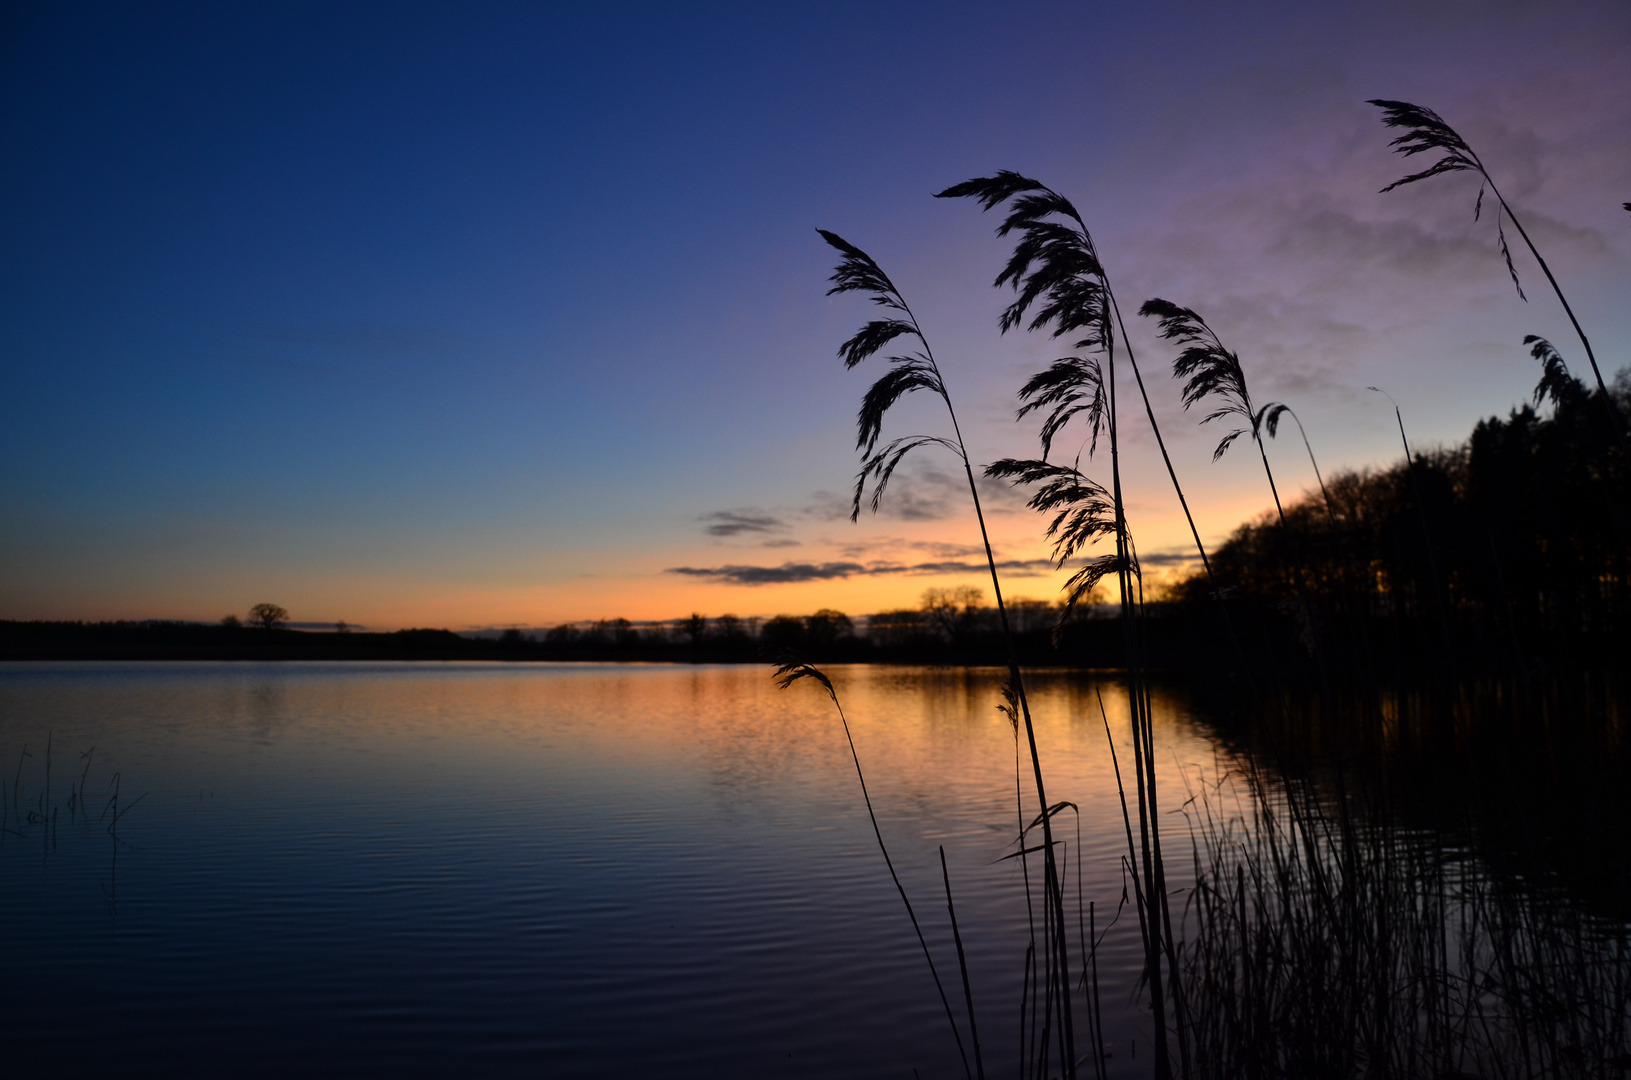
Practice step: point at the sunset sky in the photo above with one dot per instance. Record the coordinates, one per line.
(510, 314)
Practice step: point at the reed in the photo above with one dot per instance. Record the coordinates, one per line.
(1331, 941)
(1213, 371)
(1056, 242)
(1271, 424)
(1061, 286)
(1436, 582)
(1328, 939)
(909, 372)
(1425, 131)
(789, 670)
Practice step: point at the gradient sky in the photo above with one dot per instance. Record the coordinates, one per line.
(493, 314)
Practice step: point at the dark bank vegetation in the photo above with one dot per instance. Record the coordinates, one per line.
(1414, 861)
(1504, 557)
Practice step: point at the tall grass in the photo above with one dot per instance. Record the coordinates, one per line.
(1271, 424)
(909, 372)
(1321, 938)
(1329, 940)
(1435, 582)
(790, 670)
(1212, 371)
(1425, 131)
(1061, 286)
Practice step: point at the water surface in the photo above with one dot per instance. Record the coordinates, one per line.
(571, 870)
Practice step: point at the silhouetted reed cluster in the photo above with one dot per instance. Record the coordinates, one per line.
(1408, 619)
(1328, 939)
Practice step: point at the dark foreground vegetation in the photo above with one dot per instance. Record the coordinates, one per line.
(1414, 864)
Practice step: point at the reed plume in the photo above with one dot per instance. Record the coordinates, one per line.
(1060, 285)
(1425, 131)
(909, 372)
(1556, 382)
(1214, 372)
(1083, 511)
(1271, 424)
(1056, 260)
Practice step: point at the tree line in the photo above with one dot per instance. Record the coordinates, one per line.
(1509, 553)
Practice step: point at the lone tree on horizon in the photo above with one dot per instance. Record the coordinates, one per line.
(269, 616)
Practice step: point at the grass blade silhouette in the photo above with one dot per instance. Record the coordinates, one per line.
(1271, 423)
(1060, 285)
(1032, 203)
(1213, 371)
(789, 670)
(1426, 131)
(910, 372)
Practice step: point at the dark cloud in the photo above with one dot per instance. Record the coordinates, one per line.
(772, 575)
(1168, 558)
(784, 542)
(734, 522)
(796, 572)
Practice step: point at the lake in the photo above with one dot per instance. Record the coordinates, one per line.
(573, 870)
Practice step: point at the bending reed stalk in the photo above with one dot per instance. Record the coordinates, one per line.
(859, 272)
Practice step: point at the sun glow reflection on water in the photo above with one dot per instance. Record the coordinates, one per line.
(585, 868)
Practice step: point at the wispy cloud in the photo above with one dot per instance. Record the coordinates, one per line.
(788, 573)
(737, 522)
(1175, 557)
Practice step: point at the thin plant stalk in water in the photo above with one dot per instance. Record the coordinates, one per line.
(917, 370)
(1055, 270)
(790, 671)
(1421, 509)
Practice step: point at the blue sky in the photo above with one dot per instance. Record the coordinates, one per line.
(486, 314)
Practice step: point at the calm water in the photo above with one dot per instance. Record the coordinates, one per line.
(533, 870)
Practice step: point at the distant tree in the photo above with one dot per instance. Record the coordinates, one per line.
(730, 627)
(896, 628)
(694, 627)
(511, 638)
(1030, 616)
(827, 626)
(953, 611)
(342, 627)
(564, 634)
(784, 632)
(269, 616)
(231, 622)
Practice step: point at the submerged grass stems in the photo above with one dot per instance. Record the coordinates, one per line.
(1331, 941)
